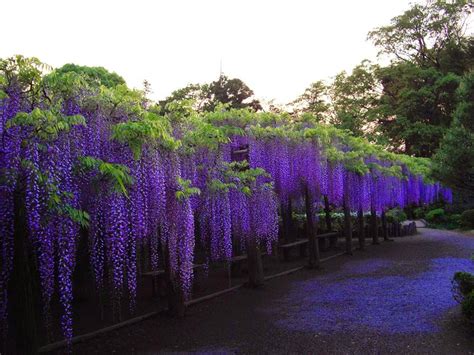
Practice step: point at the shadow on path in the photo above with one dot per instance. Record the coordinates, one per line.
(395, 297)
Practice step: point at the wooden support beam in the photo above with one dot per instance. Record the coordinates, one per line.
(24, 292)
(385, 227)
(374, 229)
(360, 229)
(347, 226)
(255, 265)
(287, 221)
(176, 305)
(313, 246)
(241, 151)
(327, 217)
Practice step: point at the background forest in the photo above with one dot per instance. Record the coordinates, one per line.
(420, 104)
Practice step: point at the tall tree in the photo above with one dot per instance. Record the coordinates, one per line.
(314, 100)
(196, 94)
(417, 105)
(233, 92)
(430, 52)
(454, 161)
(206, 97)
(95, 76)
(354, 99)
(423, 33)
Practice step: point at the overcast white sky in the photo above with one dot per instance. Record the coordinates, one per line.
(277, 47)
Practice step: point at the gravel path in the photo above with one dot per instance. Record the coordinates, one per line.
(392, 298)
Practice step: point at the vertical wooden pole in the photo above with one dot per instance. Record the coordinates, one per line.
(313, 246)
(175, 296)
(255, 265)
(287, 221)
(347, 226)
(374, 226)
(360, 229)
(24, 295)
(254, 256)
(384, 227)
(327, 212)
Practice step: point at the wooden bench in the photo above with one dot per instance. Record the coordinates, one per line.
(236, 263)
(238, 258)
(302, 243)
(153, 275)
(162, 271)
(324, 237)
(287, 247)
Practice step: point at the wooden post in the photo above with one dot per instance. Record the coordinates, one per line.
(313, 246)
(384, 227)
(360, 229)
(374, 229)
(327, 212)
(287, 222)
(347, 222)
(254, 256)
(24, 296)
(255, 265)
(175, 296)
(176, 306)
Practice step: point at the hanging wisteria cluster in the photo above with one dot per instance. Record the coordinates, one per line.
(95, 163)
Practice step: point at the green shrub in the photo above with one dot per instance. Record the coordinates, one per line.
(396, 215)
(467, 219)
(436, 216)
(299, 219)
(463, 283)
(419, 213)
(450, 222)
(467, 307)
(455, 219)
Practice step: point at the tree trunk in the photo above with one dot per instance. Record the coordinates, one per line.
(327, 212)
(287, 221)
(24, 295)
(313, 246)
(347, 225)
(255, 265)
(374, 229)
(384, 227)
(176, 306)
(360, 229)
(175, 296)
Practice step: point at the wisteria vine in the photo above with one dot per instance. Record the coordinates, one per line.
(98, 164)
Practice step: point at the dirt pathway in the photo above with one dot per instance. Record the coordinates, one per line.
(392, 298)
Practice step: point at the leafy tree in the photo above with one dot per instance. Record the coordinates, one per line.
(426, 34)
(431, 52)
(275, 107)
(355, 98)
(417, 105)
(313, 100)
(23, 73)
(233, 92)
(454, 161)
(95, 76)
(196, 94)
